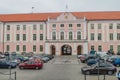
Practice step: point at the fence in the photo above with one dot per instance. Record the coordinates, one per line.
(100, 77)
(9, 74)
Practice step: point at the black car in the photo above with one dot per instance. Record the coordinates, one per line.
(104, 68)
(7, 64)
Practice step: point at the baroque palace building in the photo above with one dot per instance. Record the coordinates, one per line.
(60, 33)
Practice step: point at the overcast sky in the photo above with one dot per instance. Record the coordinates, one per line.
(25, 6)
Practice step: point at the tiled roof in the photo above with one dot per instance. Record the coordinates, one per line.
(113, 15)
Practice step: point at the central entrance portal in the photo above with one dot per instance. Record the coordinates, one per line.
(66, 50)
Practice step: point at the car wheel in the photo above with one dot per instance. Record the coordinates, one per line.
(110, 72)
(87, 72)
(36, 67)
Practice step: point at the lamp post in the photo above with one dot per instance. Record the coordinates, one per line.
(98, 66)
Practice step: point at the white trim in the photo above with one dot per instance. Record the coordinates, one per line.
(85, 29)
(114, 33)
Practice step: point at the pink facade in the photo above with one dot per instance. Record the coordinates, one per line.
(64, 35)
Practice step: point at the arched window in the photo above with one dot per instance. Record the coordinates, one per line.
(62, 35)
(53, 35)
(78, 35)
(70, 35)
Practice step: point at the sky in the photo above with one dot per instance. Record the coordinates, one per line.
(43, 6)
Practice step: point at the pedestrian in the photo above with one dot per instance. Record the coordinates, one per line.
(118, 75)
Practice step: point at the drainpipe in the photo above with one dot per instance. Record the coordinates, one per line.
(3, 35)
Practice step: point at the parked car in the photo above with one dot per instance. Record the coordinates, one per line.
(104, 68)
(89, 57)
(44, 58)
(2, 56)
(31, 65)
(7, 64)
(116, 61)
(118, 53)
(91, 62)
(82, 57)
(112, 58)
(29, 54)
(110, 52)
(94, 61)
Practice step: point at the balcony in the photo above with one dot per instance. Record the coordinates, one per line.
(66, 41)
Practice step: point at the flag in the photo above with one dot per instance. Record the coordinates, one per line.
(32, 7)
(66, 7)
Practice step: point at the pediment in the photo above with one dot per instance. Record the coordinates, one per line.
(66, 17)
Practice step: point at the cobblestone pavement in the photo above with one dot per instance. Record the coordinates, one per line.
(60, 68)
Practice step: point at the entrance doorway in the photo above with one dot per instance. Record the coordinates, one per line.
(53, 50)
(79, 50)
(66, 50)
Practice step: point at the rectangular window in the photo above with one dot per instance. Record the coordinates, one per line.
(34, 48)
(24, 48)
(99, 36)
(41, 36)
(17, 37)
(99, 26)
(18, 27)
(92, 26)
(92, 36)
(54, 25)
(34, 27)
(24, 37)
(78, 25)
(34, 36)
(118, 26)
(118, 36)
(111, 36)
(24, 27)
(41, 48)
(8, 27)
(8, 37)
(17, 48)
(110, 26)
(118, 47)
(92, 47)
(70, 25)
(7, 48)
(111, 47)
(99, 48)
(41, 26)
(62, 25)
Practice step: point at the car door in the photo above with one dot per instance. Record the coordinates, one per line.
(94, 69)
(30, 64)
(33, 64)
(27, 65)
(102, 68)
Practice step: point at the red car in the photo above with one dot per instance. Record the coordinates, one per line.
(32, 64)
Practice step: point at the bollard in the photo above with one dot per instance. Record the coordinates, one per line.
(15, 75)
(104, 77)
(85, 76)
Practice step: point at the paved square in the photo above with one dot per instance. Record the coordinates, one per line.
(60, 68)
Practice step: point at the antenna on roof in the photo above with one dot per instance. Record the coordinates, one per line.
(32, 9)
